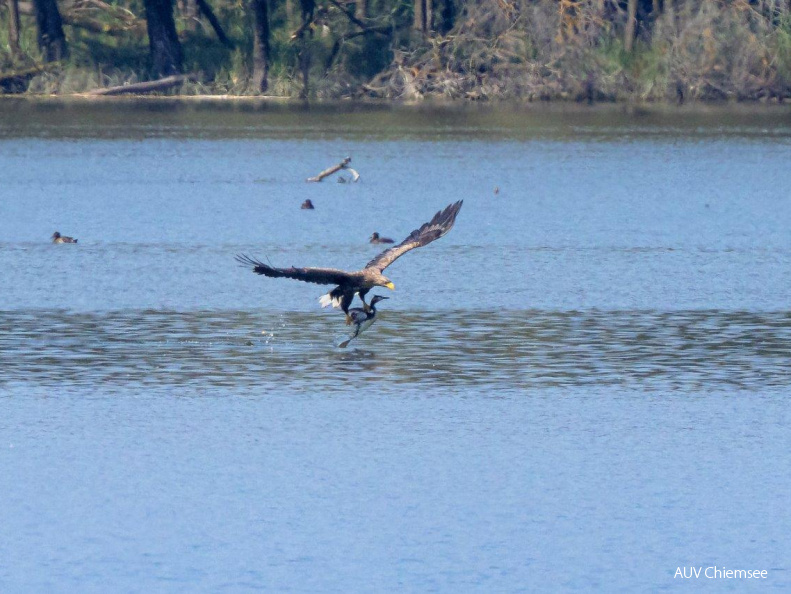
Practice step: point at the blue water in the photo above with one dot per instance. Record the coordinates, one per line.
(583, 386)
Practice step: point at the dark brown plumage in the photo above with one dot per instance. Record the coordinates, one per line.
(58, 238)
(376, 238)
(360, 281)
(307, 205)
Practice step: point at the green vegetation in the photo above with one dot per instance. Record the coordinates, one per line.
(591, 50)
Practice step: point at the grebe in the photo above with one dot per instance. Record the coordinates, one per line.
(375, 238)
(58, 238)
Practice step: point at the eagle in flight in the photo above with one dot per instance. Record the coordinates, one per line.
(360, 281)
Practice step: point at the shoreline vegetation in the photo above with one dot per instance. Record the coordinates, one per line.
(590, 51)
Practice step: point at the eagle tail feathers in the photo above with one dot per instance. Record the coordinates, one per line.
(330, 299)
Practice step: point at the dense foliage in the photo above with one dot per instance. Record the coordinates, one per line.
(407, 49)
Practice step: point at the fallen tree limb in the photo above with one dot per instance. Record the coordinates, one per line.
(345, 180)
(349, 15)
(146, 87)
(78, 18)
(28, 72)
(97, 26)
(17, 82)
(336, 47)
(342, 165)
(204, 7)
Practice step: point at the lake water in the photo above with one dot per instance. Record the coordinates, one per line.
(583, 386)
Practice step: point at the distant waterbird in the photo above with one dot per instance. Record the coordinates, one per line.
(362, 319)
(376, 238)
(58, 238)
(360, 281)
(307, 205)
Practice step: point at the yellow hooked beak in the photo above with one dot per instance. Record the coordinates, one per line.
(390, 286)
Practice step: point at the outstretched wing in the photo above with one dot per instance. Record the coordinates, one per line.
(434, 229)
(320, 276)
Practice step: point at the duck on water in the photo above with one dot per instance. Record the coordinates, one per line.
(375, 238)
(58, 238)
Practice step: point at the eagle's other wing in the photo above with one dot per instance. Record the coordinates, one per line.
(320, 276)
(434, 229)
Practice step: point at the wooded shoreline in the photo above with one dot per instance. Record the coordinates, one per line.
(505, 112)
(589, 51)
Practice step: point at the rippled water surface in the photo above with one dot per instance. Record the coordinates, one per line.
(583, 386)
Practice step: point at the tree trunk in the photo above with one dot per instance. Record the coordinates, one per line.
(304, 66)
(422, 15)
(290, 14)
(260, 45)
(51, 39)
(13, 26)
(361, 10)
(163, 42)
(189, 10)
(670, 14)
(631, 26)
(447, 16)
(308, 7)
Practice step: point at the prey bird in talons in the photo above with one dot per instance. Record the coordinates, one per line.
(362, 319)
(361, 281)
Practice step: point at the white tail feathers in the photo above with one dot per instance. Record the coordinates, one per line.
(328, 299)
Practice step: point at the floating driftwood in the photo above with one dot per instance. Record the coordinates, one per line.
(335, 168)
(146, 87)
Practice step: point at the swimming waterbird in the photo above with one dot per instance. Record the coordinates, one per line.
(307, 205)
(375, 238)
(362, 319)
(361, 281)
(58, 238)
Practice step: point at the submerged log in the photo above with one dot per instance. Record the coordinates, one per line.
(146, 87)
(342, 165)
